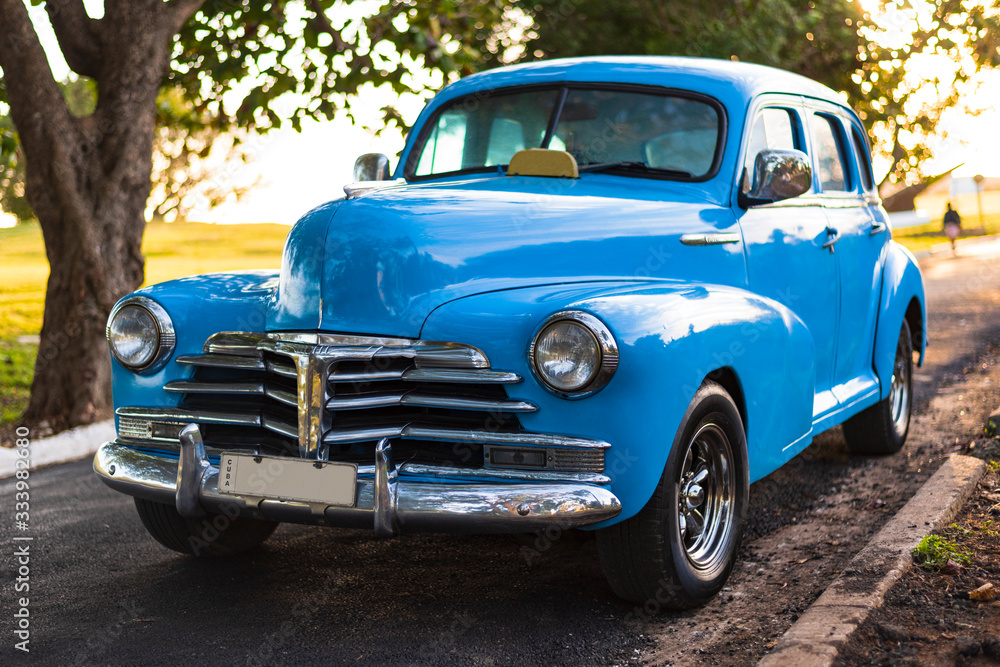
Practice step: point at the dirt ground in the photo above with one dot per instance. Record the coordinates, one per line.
(929, 617)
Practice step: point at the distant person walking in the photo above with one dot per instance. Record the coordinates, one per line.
(952, 226)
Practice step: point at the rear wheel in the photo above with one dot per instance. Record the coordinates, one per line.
(678, 551)
(212, 535)
(882, 428)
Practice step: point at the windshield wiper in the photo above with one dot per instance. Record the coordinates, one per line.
(625, 165)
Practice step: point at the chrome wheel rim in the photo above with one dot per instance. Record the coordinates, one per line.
(899, 389)
(705, 487)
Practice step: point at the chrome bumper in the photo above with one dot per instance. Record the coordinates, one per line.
(388, 502)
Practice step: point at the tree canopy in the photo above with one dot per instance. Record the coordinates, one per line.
(876, 60)
(230, 65)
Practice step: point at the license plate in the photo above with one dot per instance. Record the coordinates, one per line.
(288, 479)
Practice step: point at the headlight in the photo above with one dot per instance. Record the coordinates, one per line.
(573, 354)
(140, 334)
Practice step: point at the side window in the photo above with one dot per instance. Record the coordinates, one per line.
(773, 129)
(829, 154)
(864, 159)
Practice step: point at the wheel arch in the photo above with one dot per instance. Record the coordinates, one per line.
(917, 321)
(902, 302)
(727, 378)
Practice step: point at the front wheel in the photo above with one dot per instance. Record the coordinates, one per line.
(679, 550)
(214, 535)
(882, 428)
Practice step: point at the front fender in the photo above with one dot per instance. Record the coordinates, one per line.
(671, 337)
(902, 298)
(199, 306)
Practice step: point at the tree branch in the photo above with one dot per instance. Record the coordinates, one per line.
(78, 35)
(180, 11)
(321, 23)
(34, 97)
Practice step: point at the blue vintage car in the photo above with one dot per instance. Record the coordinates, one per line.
(605, 293)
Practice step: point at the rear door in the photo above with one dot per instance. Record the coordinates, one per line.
(849, 201)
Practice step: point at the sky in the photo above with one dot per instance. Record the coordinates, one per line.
(294, 172)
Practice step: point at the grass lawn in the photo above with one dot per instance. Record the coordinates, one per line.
(172, 251)
(924, 237)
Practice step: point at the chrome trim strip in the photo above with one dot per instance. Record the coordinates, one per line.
(440, 507)
(721, 238)
(280, 427)
(173, 445)
(432, 401)
(282, 370)
(192, 387)
(338, 436)
(471, 376)
(457, 375)
(249, 388)
(199, 416)
(282, 396)
(238, 343)
(222, 361)
(526, 439)
(375, 376)
(434, 353)
(428, 401)
(417, 432)
(502, 473)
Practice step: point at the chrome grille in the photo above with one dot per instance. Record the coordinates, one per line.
(333, 397)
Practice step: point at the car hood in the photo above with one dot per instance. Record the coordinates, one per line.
(380, 263)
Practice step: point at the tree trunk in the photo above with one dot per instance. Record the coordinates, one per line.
(87, 180)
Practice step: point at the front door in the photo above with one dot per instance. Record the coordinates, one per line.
(786, 260)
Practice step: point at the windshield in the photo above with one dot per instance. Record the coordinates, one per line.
(646, 133)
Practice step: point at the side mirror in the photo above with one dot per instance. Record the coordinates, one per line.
(778, 175)
(371, 167)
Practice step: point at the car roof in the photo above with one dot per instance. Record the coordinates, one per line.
(723, 79)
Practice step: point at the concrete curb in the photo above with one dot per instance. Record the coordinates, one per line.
(70, 445)
(814, 640)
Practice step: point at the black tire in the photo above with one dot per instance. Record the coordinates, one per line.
(882, 428)
(659, 559)
(215, 535)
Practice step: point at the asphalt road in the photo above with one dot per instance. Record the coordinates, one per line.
(103, 592)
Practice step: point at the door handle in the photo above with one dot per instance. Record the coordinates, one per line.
(877, 228)
(834, 237)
